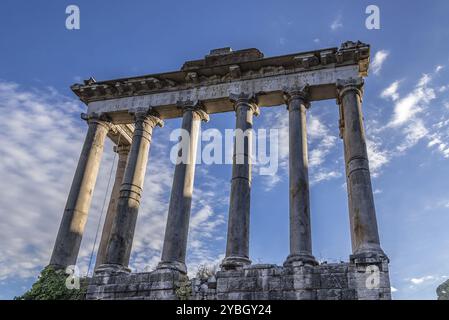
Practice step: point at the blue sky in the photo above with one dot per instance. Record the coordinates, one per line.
(406, 108)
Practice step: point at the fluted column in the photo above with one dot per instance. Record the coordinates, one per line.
(71, 229)
(122, 151)
(119, 248)
(177, 228)
(300, 230)
(237, 246)
(362, 213)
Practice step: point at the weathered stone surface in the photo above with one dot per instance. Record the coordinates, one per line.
(237, 244)
(225, 81)
(118, 250)
(122, 150)
(177, 228)
(209, 80)
(71, 229)
(299, 204)
(343, 281)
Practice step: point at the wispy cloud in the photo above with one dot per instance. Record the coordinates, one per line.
(414, 132)
(42, 138)
(421, 280)
(337, 23)
(321, 143)
(413, 103)
(377, 156)
(391, 91)
(438, 68)
(378, 61)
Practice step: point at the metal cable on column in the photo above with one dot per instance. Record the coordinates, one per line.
(102, 208)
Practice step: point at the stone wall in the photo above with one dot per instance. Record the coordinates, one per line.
(336, 281)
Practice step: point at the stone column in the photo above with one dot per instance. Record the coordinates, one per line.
(237, 246)
(300, 230)
(176, 231)
(362, 213)
(71, 229)
(119, 248)
(122, 151)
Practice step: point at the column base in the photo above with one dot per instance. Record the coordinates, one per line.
(234, 262)
(172, 265)
(305, 258)
(368, 255)
(106, 269)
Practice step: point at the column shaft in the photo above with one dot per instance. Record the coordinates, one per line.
(122, 152)
(300, 229)
(237, 246)
(119, 248)
(71, 229)
(177, 228)
(362, 213)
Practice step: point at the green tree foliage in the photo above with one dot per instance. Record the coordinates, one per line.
(51, 285)
(443, 291)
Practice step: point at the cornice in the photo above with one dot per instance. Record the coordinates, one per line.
(224, 66)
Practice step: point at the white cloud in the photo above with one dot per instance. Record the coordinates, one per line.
(377, 157)
(42, 138)
(318, 132)
(439, 137)
(378, 61)
(421, 280)
(438, 68)
(337, 23)
(393, 289)
(324, 175)
(320, 143)
(413, 103)
(391, 91)
(414, 132)
(273, 119)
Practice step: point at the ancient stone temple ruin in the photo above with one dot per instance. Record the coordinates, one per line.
(243, 82)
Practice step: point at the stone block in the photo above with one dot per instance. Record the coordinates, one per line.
(334, 281)
(242, 284)
(299, 295)
(329, 294)
(230, 274)
(303, 282)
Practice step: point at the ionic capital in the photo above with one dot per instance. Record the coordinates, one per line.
(98, 118)
(349, 85)
(147, 115)
(122, 149)
(196, 107)
(299, 93)
(244, 99)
